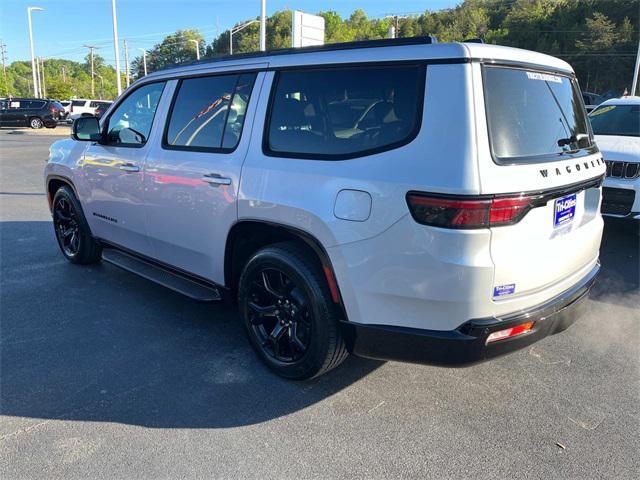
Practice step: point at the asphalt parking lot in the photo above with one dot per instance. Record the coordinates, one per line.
(106, 375)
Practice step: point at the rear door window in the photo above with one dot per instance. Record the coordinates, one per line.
(208, 112)
(78, 103)
(344, 112)
(534, 116)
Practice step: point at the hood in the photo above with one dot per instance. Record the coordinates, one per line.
(619, 148)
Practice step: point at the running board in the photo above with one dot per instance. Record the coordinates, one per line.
(162, 276)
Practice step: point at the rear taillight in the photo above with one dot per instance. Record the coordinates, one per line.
(461, 212)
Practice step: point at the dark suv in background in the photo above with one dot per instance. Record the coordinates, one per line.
(30, 112)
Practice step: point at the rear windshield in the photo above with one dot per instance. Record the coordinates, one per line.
(533, 116)
(616, 120)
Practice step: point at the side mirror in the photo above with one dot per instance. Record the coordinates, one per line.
(87, 129)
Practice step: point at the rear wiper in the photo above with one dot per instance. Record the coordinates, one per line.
(573, 139)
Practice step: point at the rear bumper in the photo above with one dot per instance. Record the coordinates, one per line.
(467, 344)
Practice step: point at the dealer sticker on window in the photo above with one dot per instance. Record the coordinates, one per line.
(564, 209)
(545, 77)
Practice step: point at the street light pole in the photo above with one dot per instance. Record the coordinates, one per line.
(197, 47)
(33, 55)
(144, 60)
(263, 25)
(236, 30)
(116, 47)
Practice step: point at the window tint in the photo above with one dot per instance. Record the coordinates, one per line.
(208, 112)
(34, 105)
(616, 120)
(130, 123)
(78, 103)
(533, 114)
(345, 111)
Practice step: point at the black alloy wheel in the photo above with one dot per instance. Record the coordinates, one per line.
(288, 312)
(71, 229)
(279, 315)
(67, 228)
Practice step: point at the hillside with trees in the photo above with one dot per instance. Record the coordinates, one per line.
(598, 37)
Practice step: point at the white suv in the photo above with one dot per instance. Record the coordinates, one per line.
(81, 107)
(616, 124)
(396, 199)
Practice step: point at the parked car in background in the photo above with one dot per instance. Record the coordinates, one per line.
(592, 100)
(101, 108)
(397, 199)
(81, 107)
(66, 104)
(30, 112)
(616, 125)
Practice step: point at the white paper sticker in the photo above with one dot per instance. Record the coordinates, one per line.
(544, 77)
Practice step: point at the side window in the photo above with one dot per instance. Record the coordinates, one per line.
(344, 112)
(93, 104)
(208, 112)
(130, 123)
(78, 103)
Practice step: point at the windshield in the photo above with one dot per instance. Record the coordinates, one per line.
(616, 120)
(533, 115)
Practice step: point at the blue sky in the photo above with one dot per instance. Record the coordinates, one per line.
(65, 25)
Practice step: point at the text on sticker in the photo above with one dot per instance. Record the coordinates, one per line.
(544, 76)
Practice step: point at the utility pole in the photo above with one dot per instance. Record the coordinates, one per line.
(263, 25)
(197, 47)
(3, 53)
(64, 75)
(93, 89)
(44, 84)
(126, 60)
(39, 85)
(144, 60)
(116, 47)
(33, 55)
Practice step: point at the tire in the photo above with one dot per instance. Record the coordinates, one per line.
(71, 229)
(296, 335)
(36, 123)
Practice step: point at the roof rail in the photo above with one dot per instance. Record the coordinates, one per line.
(330, 47)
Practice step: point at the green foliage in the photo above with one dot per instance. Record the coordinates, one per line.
(598, 37)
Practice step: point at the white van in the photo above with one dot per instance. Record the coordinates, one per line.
(397, 199)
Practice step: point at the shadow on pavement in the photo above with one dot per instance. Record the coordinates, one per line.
(99, 344)
(620, 248)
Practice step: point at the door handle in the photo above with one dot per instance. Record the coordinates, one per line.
(129, 168)
(215, 179)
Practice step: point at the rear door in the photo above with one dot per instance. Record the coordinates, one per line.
(537, 142)
(192, 175)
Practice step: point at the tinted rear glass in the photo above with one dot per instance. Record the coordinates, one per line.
(345, 112)
(533, 115)
(616, 120)
(208, 112)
